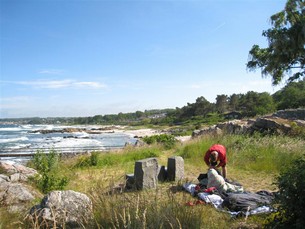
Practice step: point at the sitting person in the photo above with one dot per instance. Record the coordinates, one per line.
(217, 181)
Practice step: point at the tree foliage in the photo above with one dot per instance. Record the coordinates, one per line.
(291, 96)
(285, 54)
(221, 103)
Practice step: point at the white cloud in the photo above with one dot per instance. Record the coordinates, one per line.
(89, 84)
(51, 71)
(66, 83)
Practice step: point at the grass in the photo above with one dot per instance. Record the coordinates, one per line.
(252, 161)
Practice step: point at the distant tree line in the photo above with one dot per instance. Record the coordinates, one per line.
(250, 104)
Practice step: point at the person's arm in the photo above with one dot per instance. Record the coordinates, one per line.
(224, 172)
(206, 158)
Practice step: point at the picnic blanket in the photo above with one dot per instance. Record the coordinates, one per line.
(235, 203)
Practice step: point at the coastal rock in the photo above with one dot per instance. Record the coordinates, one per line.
(213, 130)
(16, 196)
(63, 209)
(140, 142)
(3, 178)
(271, 125)
(235, 126)
(64, 130)
(278, 123)
(291, 114)
(17, 172)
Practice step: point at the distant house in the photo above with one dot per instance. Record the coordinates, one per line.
(154, 116)
(233, 115)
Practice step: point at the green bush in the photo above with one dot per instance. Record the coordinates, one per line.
(290, 200)
(297, 131)
(47, 164)
(86, 161)
(168, 141)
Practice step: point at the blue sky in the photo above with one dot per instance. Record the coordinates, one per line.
(88, 57)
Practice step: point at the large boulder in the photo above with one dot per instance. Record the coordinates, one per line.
(235, 126)
(17, 172)
(15, 194)
(63, 209)
(271, 125)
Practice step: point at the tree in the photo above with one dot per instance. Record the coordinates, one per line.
(285, 55)
(253, 103)
(291, 96)
(202, 107)
(221, 103)
(264, 104)
(234, 101)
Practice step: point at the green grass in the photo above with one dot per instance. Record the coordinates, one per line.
(131, 154)
(253, 161)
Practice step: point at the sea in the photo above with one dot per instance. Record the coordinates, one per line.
(17, 141)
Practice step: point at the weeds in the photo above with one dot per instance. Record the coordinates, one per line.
(49, 177)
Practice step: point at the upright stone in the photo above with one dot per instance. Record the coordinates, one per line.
(175, 168)
(130, 181)
(146, 173)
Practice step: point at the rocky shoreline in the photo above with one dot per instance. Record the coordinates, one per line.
(101, 129)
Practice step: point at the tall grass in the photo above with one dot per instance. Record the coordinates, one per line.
(111, 159)
(158, 208)
(250, 153)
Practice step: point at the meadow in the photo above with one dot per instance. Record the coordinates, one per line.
(254, 161)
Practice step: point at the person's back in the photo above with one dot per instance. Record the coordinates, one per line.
(217, 153)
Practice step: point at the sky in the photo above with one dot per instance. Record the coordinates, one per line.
(77, 58)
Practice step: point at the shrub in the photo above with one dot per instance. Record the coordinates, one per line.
(291, 197)
(297, 131)
(168, 141)
(86, 161)
(47, 164)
